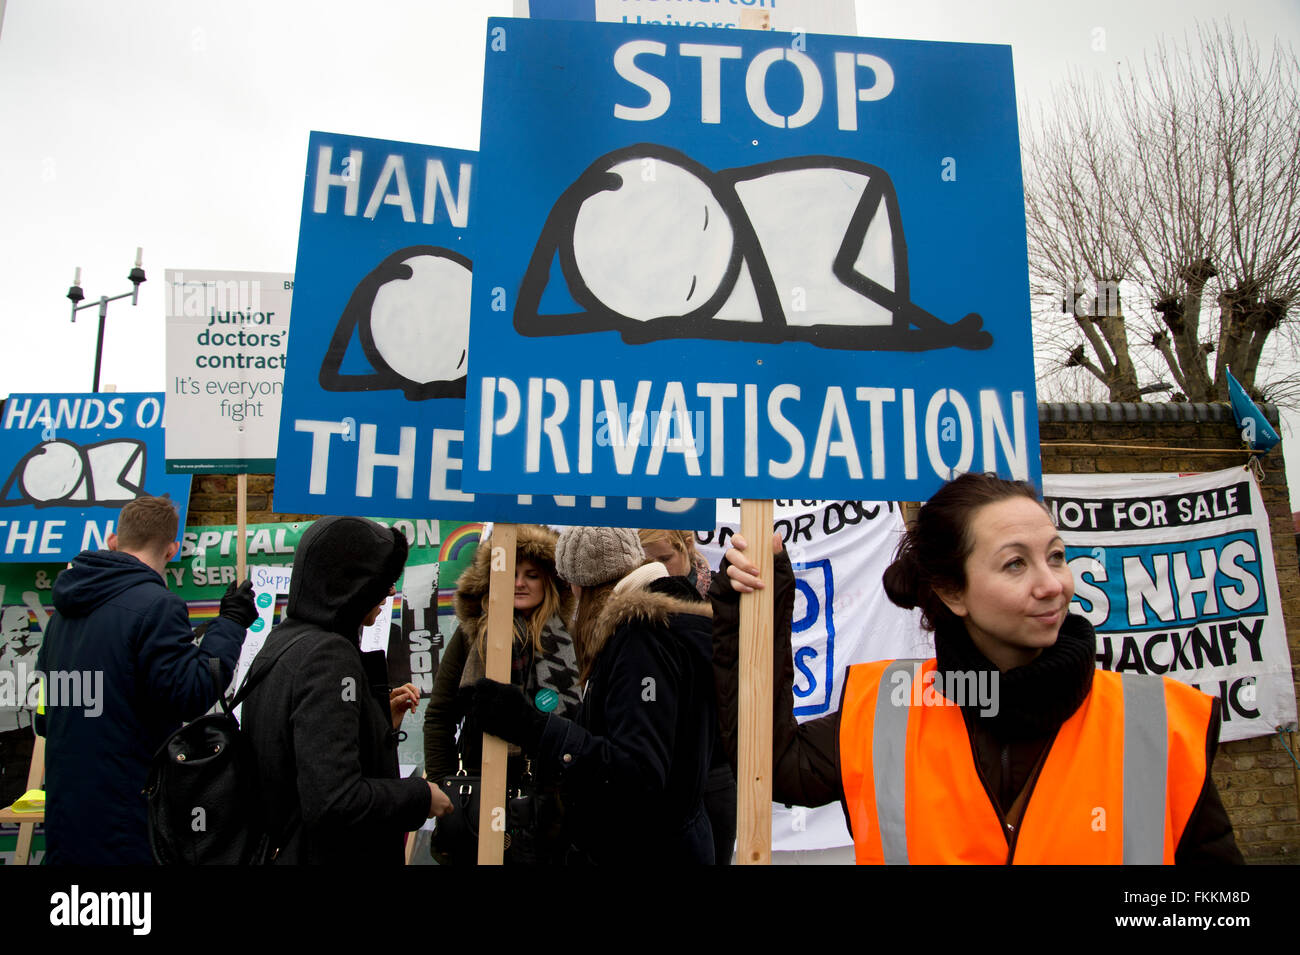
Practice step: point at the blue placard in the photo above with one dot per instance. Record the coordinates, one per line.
(738, 263)
(70, 462)
(372, 420)
(562, 9)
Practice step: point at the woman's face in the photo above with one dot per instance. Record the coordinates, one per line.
(664, 552)
(530, 585)
(1018, 586)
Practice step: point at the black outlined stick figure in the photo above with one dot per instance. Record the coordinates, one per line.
(62, 473)
(411, 314)
(653, 245)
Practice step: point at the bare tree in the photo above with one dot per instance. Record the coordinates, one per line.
(1177, 184)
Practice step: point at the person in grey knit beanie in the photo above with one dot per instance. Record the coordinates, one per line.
(591, 556)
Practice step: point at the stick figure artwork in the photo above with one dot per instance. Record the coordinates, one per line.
(62, 473)
(411, 314)
(653, 245)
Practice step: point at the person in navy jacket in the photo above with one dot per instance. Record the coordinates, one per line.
(121, 673)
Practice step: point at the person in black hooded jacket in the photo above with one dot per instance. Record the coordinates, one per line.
(122, 673)
(322, 723)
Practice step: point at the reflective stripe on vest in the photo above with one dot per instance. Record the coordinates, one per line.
(889, 747)
(1118, 784)
(1146, 758)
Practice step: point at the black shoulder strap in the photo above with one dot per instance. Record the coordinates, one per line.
(249, 680)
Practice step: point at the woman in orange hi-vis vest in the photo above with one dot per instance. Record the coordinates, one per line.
(1007, 746)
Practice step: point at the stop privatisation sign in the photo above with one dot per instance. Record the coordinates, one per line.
(746, 264)
(69, 463)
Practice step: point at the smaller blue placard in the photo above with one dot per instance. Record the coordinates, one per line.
(373, 415)
(70, 462)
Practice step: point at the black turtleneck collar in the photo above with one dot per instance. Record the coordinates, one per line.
(1034, 699)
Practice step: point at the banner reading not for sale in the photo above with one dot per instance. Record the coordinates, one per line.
(1177, 576)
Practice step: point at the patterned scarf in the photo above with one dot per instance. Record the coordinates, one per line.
(554, 668)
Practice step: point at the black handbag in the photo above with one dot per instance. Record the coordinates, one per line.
(456, 835)
(204, 797)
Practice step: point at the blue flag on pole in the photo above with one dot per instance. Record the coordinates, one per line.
(1254, 427)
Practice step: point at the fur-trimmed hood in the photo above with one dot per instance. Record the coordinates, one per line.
(654, 607)
(532, 542)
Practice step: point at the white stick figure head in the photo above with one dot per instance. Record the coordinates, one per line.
(657, 243)
(411, 315)
(420, 325)
(53, 472)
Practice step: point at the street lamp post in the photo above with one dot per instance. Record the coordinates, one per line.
(75, 293)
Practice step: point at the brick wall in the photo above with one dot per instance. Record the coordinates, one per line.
(212, 501)
(1256, 777)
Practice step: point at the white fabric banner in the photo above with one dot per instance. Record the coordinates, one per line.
(1177, 575)
(839, 550)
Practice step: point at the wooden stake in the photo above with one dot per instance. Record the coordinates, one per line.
(241, 535)
(754, 776)
(500, 634)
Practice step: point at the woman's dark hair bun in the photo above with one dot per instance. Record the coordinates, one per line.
(902, 579)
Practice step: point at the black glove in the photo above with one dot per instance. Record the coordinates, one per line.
(501, 710)
(237, 604)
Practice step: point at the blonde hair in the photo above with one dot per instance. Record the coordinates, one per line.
(528, 629)
(591, 602)
(683, 542)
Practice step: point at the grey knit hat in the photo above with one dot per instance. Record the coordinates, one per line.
(590, 556)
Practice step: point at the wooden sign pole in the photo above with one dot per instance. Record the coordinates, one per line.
(500, 634)
(241, 534)
(754, 770)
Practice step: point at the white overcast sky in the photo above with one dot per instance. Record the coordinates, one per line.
(181, 126)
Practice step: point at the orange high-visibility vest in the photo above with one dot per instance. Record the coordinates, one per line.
(1118, 785)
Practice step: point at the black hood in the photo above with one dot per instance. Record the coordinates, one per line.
(342, 570)
(97, 576)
